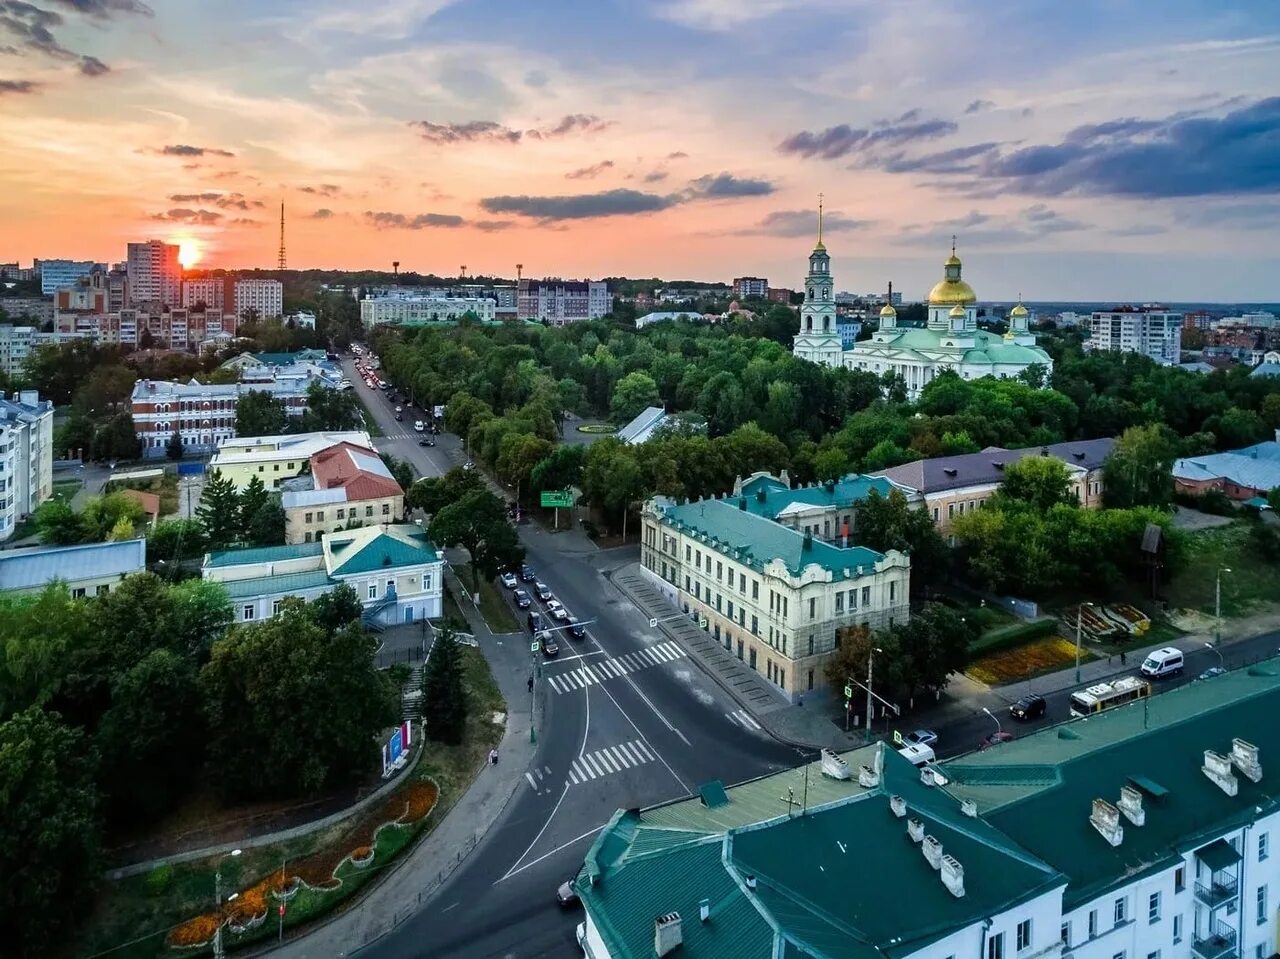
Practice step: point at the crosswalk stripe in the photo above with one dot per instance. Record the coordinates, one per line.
(605, 760)
(628, 751)
(555, 684)
(644, 750)
(592, 673)
(533, 785)
(621, 761)
(667, 653)
(613, 667)
(573, 778)
(626, 663)
(579, 680)
(580, 769)
(647, 654)
(594, 762)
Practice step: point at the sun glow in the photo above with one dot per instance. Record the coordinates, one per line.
(189, 252)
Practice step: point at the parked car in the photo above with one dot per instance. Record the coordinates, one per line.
(1166, 661)
(1211, 672)
(995, 739)
(399, 409)
(918, 755)
(536, 623)
(542, 591)
(566, 895)
(1029, 707)
(550, 647)
(576, 629)
(522, 599)
(921, 737)
(509, 580)
(399, 417)
(557, 610)
(527, 574)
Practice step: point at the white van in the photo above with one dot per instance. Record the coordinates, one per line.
(1162, 662)
(917, 754)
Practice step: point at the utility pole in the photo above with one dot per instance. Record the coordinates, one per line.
(1217, 606)
(871, 658)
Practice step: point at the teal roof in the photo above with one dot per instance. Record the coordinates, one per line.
(987, 347)
(369, 549)
(277, 585)
(756, 541)
(262, 554)
(767, 496)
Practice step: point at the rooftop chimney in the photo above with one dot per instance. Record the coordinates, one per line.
(969, 808)
(915, 829)
(1131, 805)
(1106, 819)
(898, 806)
(953, 876)
(667, 934)
(751, 882)
(704, 910)
(1218, 769)
(932, 850)
(868, 778)
(834, 766)
(1244, 756)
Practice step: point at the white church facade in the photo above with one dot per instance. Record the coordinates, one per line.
(951, 339)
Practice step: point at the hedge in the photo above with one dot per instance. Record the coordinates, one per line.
(1012, 636)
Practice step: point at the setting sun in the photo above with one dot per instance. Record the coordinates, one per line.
(188, 252)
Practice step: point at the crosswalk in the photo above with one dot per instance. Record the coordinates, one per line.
(609, 760)
(598, 672)
(740, 717)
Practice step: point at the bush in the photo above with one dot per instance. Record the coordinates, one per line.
(1012, 636)
(1214, 502)
(159, 879)
(1264, 542)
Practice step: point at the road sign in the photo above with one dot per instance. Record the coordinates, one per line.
(281, 910)
(653, 622)
(554, 499)
(897, 738)
(535, 646)
(848, 692)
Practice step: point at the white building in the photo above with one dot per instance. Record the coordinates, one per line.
(303, 320)
(154, 273)
(209, 291)
(1150, 330)
(1145, 832)
(15, 346)
(745, 286)
(424, 309)
(26, 457)
(266, 297)
(57, 275)
(558, 302)
(394, 569)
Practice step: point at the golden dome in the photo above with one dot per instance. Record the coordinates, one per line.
(952, 260)
(947, 292)
(958, 311)
(1018, 310)
(888, 310)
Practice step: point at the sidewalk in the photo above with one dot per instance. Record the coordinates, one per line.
(405, 887)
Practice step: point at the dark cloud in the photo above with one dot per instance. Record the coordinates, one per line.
(493, 226)
(865, 143)
(572, 123)
(487, 131)
(18, 86)
(245, 221)
(187, 215)
(977, 106)
(589, 172)
(33, 27)
(796, 223)
(1140, 229)
(956, 160)
(678, 155)
(93, 67)
(186, 150)
(1029, 225)
(726, 185)
(657, 176)
(580, 207)
(322, 214)
(226, 201)
(421, 221)
(105, 9)
(324, 189)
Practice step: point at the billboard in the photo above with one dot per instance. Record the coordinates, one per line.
(395, 752)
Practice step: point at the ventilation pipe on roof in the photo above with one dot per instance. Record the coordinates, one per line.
(751, 882)
(808, 541)
(915, 830)
(704, 910)
(1244, 756)
(969, 808)
(932, 850)
(953, 876)
(898, 806)
(1106, 819)
(668, 934)
(1218, 769)
(1131, 805)
(868, 778)
(834, 766)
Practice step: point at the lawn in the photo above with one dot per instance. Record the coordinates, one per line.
(494, 607)
(132, 916)
(65, 489)
(166, 487)
(1249, 584)
(1025, 662)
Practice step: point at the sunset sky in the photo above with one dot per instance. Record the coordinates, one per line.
(1096, 149)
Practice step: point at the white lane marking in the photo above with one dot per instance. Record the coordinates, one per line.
(743, 719)
(532, 785)
(604, 759)
(565, 659)
(573, 778)
(581, 770)
(644, 750)
(620, 756)
(555, 684)
(590, 832)
(631, 753)
(590, 763)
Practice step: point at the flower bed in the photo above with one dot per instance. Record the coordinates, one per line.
(194, 933)
(361, 856)
(1135, 620)
(1013, 665)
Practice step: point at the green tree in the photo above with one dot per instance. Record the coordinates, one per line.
(113, 515)
(291, 709)
(401, 470)
(219, 511)
(561, 469)
(444, 698)
(258, 413)
(478, 523)
(58, 524)
(336, 608)
(37, 635)
(434, 494)
(633, 394)
(174, 449)
(267, 525)
(117, 439)
(51, 840)
(932, 646)
(329, 409)
(253, 498)
(889, 522)
(1139, 469)
(1236, 428)
(1041, 481)
(175, 540)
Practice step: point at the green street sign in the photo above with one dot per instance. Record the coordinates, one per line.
(557, 498)
(535, 646)
(848, 692)
(897, 738)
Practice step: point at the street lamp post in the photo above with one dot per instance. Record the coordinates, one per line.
(1079, 625)
(999, 728)
(1217, 605)
(870, 663)
(217, 903)
(1221, 662)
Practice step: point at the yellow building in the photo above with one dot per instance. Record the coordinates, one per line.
(274, 459)
(348, 486)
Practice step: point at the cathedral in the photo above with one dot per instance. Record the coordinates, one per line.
(951, 339)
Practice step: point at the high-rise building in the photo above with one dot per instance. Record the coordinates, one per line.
(745, 286)
(424, 309)
(211, 291)
(1150, 330)
(558, 302)
(155, 275)
(59, 274)
(265, 297)
(26, 457)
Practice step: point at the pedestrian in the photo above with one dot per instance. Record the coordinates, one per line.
(1122, 657)
(493, 757)
(530, 684)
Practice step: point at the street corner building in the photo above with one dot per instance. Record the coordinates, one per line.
(773, 574)
(394, 569)
(1140, 833)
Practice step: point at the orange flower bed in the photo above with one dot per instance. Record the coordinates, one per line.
(194, 932)
(1012, 665)
(362, 852)
(420, 798)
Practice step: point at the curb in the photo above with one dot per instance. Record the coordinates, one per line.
(719, 680)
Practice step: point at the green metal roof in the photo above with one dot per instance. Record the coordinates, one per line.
(276, 585)
(757, 541)
(375, 548)
(263, 554)
(766, 496)
(1219, 854)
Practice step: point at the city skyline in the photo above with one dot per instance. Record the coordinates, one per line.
(1091, 153)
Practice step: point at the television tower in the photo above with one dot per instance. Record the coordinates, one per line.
(280, 263)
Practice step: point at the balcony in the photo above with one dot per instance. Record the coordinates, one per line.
(1219, 943)
(1220, 890)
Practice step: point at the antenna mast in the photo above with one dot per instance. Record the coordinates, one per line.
(281, 261)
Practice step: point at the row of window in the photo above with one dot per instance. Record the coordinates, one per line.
(344, 513)
(249, 611)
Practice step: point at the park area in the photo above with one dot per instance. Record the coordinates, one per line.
(1026, 661)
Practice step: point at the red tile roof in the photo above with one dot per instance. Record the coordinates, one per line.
(358, 471)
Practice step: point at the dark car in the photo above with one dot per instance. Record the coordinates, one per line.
(399, 417)
(576, 629)
(527, 574)
(536, 622)
(567, 895)
(1028, 707)
(542, 591)
(522, 599)
(995, 739)
(550, 648)
(426, 442)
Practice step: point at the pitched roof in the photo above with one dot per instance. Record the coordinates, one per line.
(1266, 369)
(36, 566)
(986, 467)
(360, 472)
(770, 497)
(642, 427)
(275, 585)
(262, 554)
(1256, 467)
(372, 548)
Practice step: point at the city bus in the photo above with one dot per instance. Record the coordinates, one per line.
(1095, 699)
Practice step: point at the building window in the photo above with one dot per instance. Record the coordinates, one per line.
(1264, 846)
(1180, 879)
(1153, 907)
(1177, 930)
(839, 602)
(247, 613)
(103, 589)
(386, 509)
(275, 607)
(1118, 955)
(373, 590)
(866, 596)
(755, 589)
(755, 626)
(811, 679)
(1093, 923)
(1066, 934)
(368, 511)
(893, 591)
(995, 946)
(813, 608)
(1262, 904)
(1120, 910)
(1154, 955)
(811, 644)
(78, 593)
(1024, 935)
(306, 538)
(309, 518)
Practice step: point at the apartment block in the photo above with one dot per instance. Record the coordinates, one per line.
(26, 457)
(1150, 330)
(264, 297)
(155, 275)
(557, 302)
(412, 310)
(745, 286)
(59, 274)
